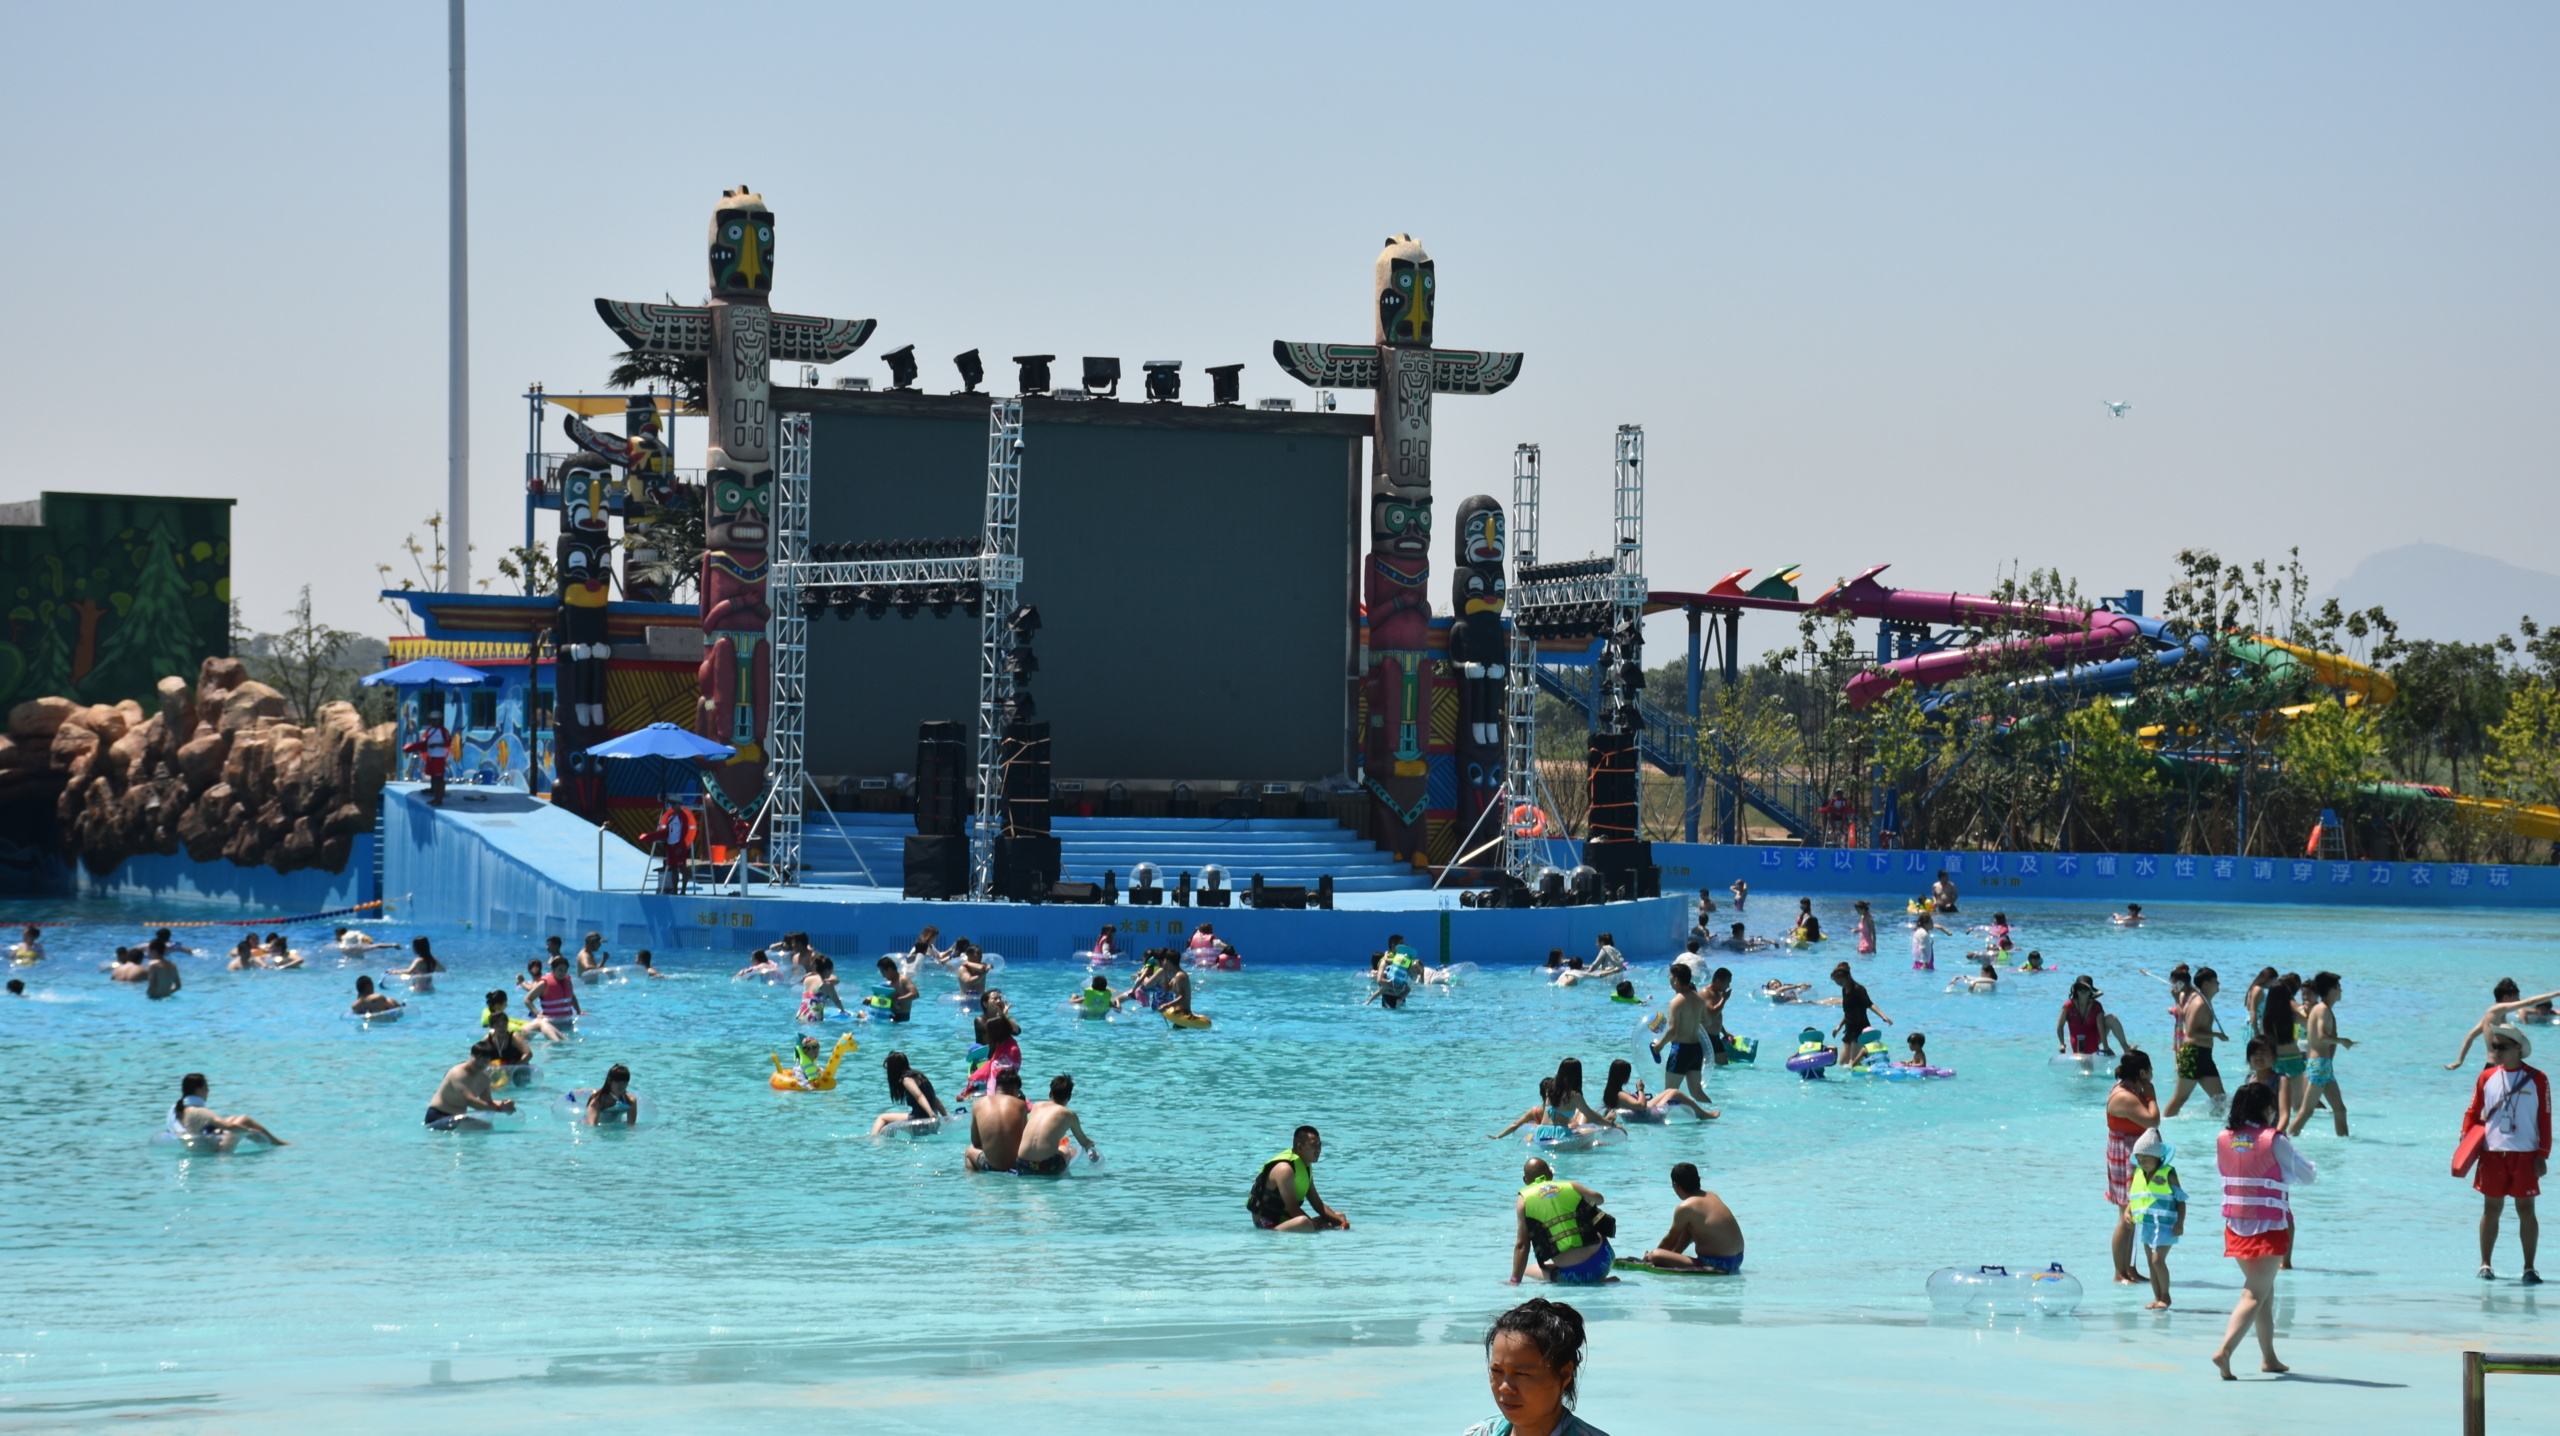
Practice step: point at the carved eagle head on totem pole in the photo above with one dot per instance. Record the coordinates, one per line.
(1405, 301)
(741, 246)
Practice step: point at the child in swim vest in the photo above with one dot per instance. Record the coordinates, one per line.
(2156, 1208)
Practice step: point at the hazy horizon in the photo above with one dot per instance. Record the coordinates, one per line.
(1866, 274)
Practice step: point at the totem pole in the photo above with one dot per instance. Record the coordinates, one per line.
(1478, 652)
(649, 490)
(1405, 371)
(741, 337)
(579, 644)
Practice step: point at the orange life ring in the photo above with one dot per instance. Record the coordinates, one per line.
(1528, 821)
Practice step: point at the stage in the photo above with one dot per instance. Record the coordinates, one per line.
(499, 860)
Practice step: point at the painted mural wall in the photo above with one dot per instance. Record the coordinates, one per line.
(106, 594)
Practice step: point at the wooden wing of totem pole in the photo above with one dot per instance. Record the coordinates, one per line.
(740, 336)
(1409, 716)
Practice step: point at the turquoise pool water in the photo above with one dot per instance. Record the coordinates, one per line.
(758, 1257)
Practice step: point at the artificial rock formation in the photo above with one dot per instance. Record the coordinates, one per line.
(220, 773)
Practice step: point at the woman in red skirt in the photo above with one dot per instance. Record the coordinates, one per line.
(2259, 1169)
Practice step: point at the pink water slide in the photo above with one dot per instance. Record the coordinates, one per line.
(2078, 635)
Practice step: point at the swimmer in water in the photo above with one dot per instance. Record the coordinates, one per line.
(190, 1117)
(350, 942)
(1741, 893)
(761, 965)
(30, 946)
(818, 989)
(648, 967)
(592, 960)
(1987, 980)
(127, 967)
(2034, 962)
(162, 941)
(1388, 984)
(1701, 1224)
(970, 964)
(1105, 949)
(1606, 960)
(1682, 1049)
(465, 1090)
(423, 961)
(1778, 991)
(1562, 1223)
(1865, 928)
(17, 988)
(2499, 1020)
(368, 1002)
(278, 955)
(612, 1104)
(2130, 917)
(902, 992)
(1573, 973)
(1094, 999)
(1924, 944)
(1918, 1042)
(1177, 991)
(1636, 1106)
(496, 1012)
(1286, 1187)
(1736, 941)
(1624, 992)
(912, 1087)
(922, 950)
(1942, 893)
(513, 1050)
(1044, 1151)
(1995, 937)
(2538, 1012)
(245, 956)
(162, 975)
(996, 1123)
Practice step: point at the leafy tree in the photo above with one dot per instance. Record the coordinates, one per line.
(688, 377)
(2111, 771)
(305, 661)
(532, 568)
(2523, 760)
(2451, 696)
(2328, 751)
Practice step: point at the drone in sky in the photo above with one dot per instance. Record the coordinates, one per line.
(2118, 407)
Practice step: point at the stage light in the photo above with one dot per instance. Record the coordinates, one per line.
(1022, 663)
(906, 602)
(972, 373)
(813, 601)
(1101, 377)
(1164, 381)
(1018, 708)
(1035, 372)
(902, 369)
(1226, 385)
(1631, 676)
(1024, 619)
(940, 598)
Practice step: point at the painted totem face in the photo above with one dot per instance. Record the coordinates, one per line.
(1400, 525)
(1405, 299)
(740, 507)
(1480, 534)
(583, 482)
(741, 246)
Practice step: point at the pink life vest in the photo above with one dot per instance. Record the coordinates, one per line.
(2252, 1182)
(554, 997)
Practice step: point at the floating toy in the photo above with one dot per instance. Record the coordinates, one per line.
(388, 1014)
(1640, 1047)
(1191, 1020)
(792, 1079)
(1906, 1072)
(522, 1074)
(1812, 1055)
(912, 1127)
(2082, 1064)
(572, 1107)
(1573, 1139)
(1458, 972)
(2002, 1292)
(25, 956)
(1745, 1050)
(1640, 1264)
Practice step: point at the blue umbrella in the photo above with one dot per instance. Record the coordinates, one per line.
(660, 740)
(425, 671)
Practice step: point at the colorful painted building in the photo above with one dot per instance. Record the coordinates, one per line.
(109, 593)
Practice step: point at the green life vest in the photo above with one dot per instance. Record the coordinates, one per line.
(1873, 1047)
(1267, 1204)
(2142, 1194)
(1092, 1001)
(1559, 1220)
(1810, 1041)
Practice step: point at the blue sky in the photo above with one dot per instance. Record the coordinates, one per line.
(1865, 273)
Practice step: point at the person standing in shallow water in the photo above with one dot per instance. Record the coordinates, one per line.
(1532, 1359)
(2513, 1101)
(2259, 1170)
(2133, 1109)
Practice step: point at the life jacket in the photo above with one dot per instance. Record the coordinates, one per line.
(1810, 1041)
(2082, 1026)
(1092, 1001)
(677, 828)
(2160, 1190)
(1559, 1220)
(1267, 1204)
(2252, 1183)
(555, 999)
(1871, 1048)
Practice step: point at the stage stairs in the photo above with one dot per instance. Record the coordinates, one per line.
(1283, 850)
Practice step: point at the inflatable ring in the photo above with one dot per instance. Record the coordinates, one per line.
(1191, 1020)
(1528, 821)
(1996, 1289)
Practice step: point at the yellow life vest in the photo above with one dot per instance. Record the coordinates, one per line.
(1559, 1220)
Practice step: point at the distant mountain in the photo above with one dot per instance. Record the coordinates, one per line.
(2443, 593)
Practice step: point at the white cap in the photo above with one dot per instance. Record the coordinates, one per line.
(2151, 1144)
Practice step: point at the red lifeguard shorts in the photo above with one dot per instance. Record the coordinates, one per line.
(2506, 1174)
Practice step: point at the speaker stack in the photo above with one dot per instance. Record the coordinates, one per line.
(1625, 865)
(937, 858)
(1027, 856)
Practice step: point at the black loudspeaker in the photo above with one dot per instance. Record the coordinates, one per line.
(937, 866)
(1626, 869)
(1026, 867)
(942, 766)
(1024, 751)
(1610, 759)
(1280, 895)
(1075, 892)
(1324, 891)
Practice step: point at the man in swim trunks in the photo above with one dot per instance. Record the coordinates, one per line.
(1682, 1047)
(1942, 893)
(996, 1124)
(902, 989)
(591, 957)
(1561, 1221)
(465, 1089)
(2320, 1037)
(162, 974)
(1701, 1222)
(2196, 1033)
(1044, 1133)
(1286, 1187)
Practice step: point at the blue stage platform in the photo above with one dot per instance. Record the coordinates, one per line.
(496, 859)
